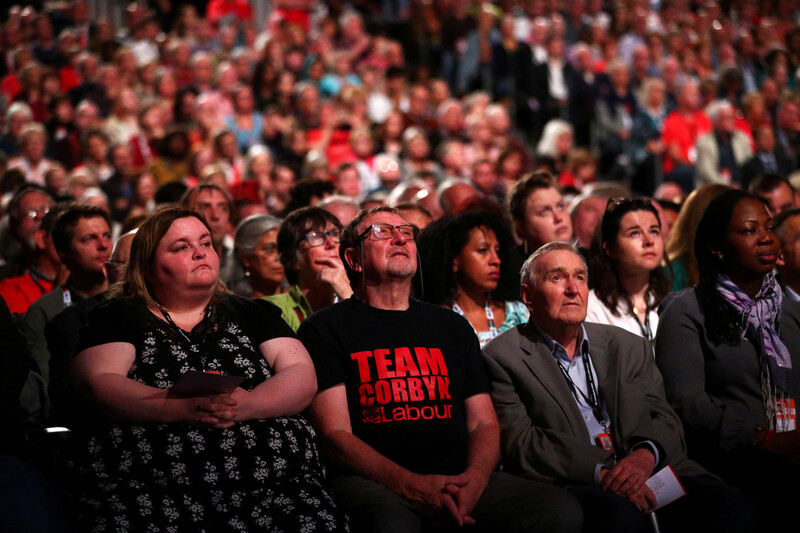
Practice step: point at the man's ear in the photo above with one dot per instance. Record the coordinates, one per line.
(523, 292)
(352, 259)
(456, 264)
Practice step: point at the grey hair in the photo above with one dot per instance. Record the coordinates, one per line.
(250, 230)
(529, 266)
(713, 109)
(339, 199)
(552, 131)
(19, 107)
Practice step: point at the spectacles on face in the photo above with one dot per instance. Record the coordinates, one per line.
(386, 231)
(36, 213)
(317, 238)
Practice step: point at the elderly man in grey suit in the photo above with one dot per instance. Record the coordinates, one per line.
(582, 405)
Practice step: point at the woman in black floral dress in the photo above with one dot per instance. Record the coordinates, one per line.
(156, 460)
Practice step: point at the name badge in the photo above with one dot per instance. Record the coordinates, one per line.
(604, 441)
(785, 415)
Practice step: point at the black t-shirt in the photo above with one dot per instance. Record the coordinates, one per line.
(129, 320)
(407, 374)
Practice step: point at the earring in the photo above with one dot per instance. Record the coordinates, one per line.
(720, 257)
(247, 272)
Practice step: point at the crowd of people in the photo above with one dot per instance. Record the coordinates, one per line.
(399, 265)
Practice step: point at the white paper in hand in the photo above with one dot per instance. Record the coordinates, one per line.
(666, 486)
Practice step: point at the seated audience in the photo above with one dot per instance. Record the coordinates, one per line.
(45, 272)
(308, 246)
(25, 212)
(787, 228)
(586, 211)
(766, 159)
(679, 133)
(28, 501)
(538, 214)
(221, 456)
(214, 203)
(775, 190)
(342, 207)
(680, 246)
(627, 279)
(62, 335)
(723, 151)
(729, 349)
(258, 270)
(415, 214)
(463, 267)
(82, 238)
(582, 405)
(455, 195)
(374, 437)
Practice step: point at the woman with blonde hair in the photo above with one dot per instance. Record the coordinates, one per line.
(680, 247)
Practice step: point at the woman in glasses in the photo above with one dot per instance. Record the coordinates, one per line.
(463, 268)
(308, 246)
(626, 278)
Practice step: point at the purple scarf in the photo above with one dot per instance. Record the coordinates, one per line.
(759, 323)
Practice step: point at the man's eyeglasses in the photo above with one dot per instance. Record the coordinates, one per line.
(386, 231)
(317, 238)
(36, 213)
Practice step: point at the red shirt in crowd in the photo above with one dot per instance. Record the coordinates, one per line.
(20, 292)
(683, 130)
(239, 9)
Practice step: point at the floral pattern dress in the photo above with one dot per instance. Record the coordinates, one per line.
(259, 475)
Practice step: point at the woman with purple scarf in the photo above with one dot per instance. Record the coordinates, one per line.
(729, 351)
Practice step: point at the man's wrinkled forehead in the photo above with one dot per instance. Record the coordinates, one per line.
(382, 217)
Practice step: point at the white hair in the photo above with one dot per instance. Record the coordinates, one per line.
(529, 266)
(552, 131)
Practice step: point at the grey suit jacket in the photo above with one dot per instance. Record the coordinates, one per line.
(544, 435)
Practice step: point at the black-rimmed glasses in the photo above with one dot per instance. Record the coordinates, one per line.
(317, 238)
(386, 231)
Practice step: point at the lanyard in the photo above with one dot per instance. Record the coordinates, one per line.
(487, 309)
(593, 400)
(647, 333)
(35, 277)
(180, 330)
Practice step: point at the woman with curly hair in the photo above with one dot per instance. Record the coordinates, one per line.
(463, 268)
(729, 351)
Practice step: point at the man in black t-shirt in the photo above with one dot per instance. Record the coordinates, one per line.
(404, 411)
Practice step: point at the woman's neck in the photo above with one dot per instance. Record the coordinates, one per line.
(183, 304)
(264, 288)
(750, 287)
(470, 300)
(636, 287)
